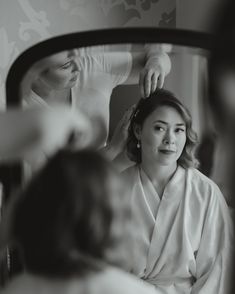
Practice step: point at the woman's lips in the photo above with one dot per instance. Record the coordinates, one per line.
(167, 152)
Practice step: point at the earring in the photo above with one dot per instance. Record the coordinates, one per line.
(138, 145)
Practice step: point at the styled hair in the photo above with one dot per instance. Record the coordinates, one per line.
(144, 108)
(64, 218)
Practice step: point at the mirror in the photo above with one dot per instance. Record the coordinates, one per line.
(188, 52)
(99, 64)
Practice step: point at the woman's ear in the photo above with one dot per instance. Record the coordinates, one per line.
(137, 131)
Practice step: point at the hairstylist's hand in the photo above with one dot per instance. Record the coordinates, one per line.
(153, 74)
(120, 134)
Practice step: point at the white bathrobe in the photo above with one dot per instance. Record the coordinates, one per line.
(185, 237)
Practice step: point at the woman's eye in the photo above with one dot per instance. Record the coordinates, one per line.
(179, 130)
(66, 65)
(159, 128)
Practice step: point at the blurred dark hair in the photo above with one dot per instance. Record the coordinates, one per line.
(64, 217)
(222, 58)
(144, 108)
(221, 62)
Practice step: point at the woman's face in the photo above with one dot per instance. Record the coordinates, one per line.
(162, 136)
(62, 72)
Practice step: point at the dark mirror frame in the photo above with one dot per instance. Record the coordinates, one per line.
(97, 37)
(11, 175)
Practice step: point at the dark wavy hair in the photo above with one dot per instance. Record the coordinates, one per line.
(144, 108)
(63, 220)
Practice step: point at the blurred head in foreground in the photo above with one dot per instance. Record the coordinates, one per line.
(72, 217)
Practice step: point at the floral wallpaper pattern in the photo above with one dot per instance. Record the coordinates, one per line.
(26, 22)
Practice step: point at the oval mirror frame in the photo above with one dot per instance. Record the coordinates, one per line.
(12, 174)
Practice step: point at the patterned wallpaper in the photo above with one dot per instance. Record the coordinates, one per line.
(26, 22)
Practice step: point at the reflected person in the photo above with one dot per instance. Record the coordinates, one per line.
(86, 81)
(184, 222)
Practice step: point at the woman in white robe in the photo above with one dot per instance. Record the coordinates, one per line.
(184, 225)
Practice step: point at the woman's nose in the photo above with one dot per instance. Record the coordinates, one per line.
(75, 66)
(169, 138)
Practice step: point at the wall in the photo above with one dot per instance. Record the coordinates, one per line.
(197, 14)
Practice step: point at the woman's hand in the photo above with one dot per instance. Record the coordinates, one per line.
(120, 134)
(153, 74)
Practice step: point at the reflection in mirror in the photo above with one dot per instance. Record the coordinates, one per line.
(86, 78)
(179, 212)
(92, 74)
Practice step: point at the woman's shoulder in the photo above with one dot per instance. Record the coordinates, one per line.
(199, 176)
(116, 281)
(130, 170)
(202, 182)
(130, 173)
(203, 192)
(110, 281)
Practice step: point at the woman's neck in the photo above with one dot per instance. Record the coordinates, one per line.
(159, 175)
